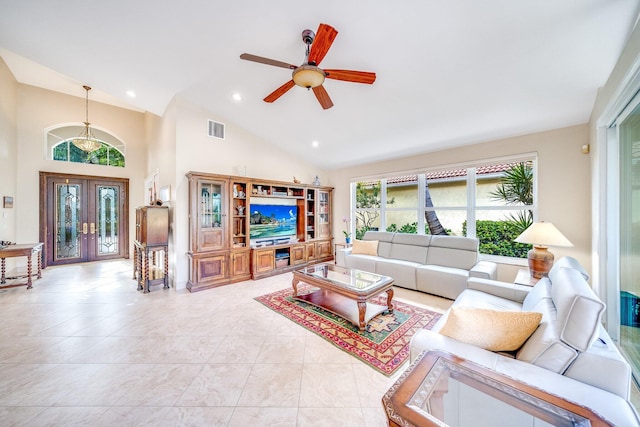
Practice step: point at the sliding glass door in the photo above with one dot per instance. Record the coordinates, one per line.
(629, 146)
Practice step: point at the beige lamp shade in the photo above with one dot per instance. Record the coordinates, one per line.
(541, 235)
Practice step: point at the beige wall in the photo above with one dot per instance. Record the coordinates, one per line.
(8, 149)
(563, 181)
(39, 109)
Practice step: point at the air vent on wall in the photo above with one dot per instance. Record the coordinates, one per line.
(216, 129)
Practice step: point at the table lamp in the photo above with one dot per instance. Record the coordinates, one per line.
(541, 235)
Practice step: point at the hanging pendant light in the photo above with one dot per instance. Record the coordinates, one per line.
(86, 141)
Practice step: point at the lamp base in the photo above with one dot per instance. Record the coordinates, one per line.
(540, 262)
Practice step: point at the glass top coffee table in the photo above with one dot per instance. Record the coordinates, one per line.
(441, 389)
(344, 291)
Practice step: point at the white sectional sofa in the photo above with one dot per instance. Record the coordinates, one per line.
(570, 354)
(438, 265)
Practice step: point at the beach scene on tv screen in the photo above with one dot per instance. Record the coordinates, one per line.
(272, 221)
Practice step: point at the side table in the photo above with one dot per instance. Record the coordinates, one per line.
(335, 249)
(25, 249)
(146, 272)
(524, 278)
(441, 389)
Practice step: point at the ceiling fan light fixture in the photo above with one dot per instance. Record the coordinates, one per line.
(308, 76)
(86, 141)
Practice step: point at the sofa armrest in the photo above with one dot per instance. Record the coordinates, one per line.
(341, 256)
(484, 270)
(510, 291)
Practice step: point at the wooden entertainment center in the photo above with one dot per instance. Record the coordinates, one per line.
(221, 247)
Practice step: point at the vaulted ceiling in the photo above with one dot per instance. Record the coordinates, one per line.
(449, 73)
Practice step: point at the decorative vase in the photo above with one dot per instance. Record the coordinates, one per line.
(347, 240)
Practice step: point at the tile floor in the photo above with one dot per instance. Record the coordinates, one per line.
(83, 347)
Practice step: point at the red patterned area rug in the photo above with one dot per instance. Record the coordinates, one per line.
(383, 346)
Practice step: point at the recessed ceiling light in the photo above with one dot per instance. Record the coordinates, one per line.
(236, 97)
(315, 144)
(130, 93)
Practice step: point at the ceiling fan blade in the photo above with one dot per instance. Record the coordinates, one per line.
(325, 36)
(280, 91)
(262, 60)
(323, 97)
(351, 76)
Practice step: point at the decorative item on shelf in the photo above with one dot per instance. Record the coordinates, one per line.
(235, 190)
(296, 180)
(316, 181)
(542, 235)
(240, 209)
(5, 243)
(86, 141)
(241, 194)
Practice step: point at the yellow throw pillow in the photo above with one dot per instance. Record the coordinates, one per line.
(492, 330)
(365, 247)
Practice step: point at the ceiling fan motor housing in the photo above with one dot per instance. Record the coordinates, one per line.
(308, 36)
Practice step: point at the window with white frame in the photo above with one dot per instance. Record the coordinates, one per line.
(493, 201)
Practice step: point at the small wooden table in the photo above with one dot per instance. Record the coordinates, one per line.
(150, 274)
(441, 389)
(24, 249)
(340, 287)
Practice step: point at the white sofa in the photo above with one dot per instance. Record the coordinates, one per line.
(438, 265)
(570, 354)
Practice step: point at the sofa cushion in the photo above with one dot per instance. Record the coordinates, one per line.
(544, 348)
(384, 239)
(602, 366)
(494, 330)
(453, 251)
(570, 262)
(362, 262)
(579, 309)
(410, 247)
(446, 282)
(362, 247)
(403, 272)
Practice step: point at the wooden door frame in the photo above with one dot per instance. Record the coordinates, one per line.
(43, 202)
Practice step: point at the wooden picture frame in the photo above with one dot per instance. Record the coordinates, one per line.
(7, 202)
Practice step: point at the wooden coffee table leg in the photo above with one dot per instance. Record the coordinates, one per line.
(389, 298)
(294, 284)
(362, 309)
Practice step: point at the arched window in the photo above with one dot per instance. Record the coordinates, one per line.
(60, 147)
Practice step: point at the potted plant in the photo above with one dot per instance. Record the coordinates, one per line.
(347, 233)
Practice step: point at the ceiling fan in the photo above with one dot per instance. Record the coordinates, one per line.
(309, 75)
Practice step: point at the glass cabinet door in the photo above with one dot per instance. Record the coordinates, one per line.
(212, 217)
(324, 215)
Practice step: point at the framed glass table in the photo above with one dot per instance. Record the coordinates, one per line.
(344, 291)
(441, 389)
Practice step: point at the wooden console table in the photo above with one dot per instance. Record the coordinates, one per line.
(441, 389)
(25, 249)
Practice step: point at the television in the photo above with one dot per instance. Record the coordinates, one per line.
(272, 221)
